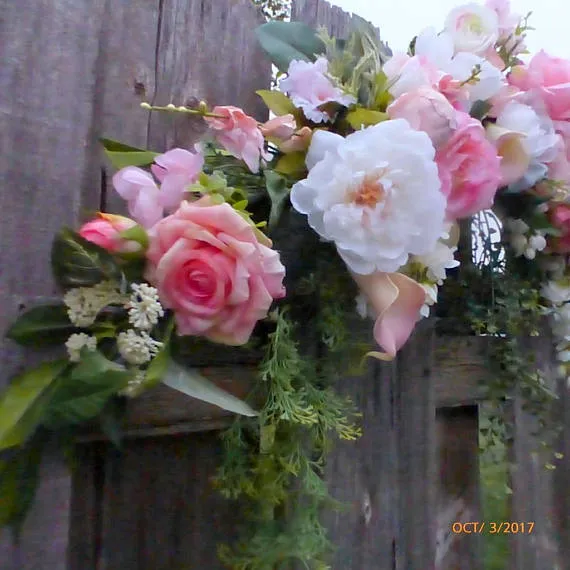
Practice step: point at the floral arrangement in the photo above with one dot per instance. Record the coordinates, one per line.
(378, 155)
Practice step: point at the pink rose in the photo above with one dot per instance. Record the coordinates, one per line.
(239, 134)
(175, 170)
(279, 128)
(549, 78)
(560, 218)
(426, 110)
(211, 270)
(455, 91)
(469, 169)
(309, 87)
(105, 231)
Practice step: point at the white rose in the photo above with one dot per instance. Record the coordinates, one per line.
(375, 193)
(474, 28)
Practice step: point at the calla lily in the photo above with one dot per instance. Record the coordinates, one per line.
(515, 160)
(396, 300)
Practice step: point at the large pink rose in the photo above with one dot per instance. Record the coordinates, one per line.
(426, 110)
(210, 268)
(549, 78)
(105, 231)
(469, 169)
(239, 134)
(560, 218)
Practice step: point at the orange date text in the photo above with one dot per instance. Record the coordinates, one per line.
(492, 527)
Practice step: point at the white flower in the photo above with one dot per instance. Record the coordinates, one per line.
(474, 28)
(84, 303)
(375, 193)
(78, 341)
(555, 265)
(437, 261)
(488, 80)
(309, 87)
(144, 306)
(557, 292)
(137, 348)
(406, 73)
(431, 299)
(436, 48)
(537, 242)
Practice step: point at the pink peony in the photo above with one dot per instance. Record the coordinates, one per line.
(560, 218)
(426, 110)
(239, 134)
(175, 170)
(211, 270)
(469, 169)
(309, 87)
(105, 231)
(549, 78)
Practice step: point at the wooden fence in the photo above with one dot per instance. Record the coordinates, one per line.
(75, 70)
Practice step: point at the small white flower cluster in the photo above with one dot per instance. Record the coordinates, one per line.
(522, 240)
(144, 306)
(137, 348)
(78, 341)
(84, 303)
(135, 385)
(558, 293)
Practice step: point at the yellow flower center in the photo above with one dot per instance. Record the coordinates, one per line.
(369, 192)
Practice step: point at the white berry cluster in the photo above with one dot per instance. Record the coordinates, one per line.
(523, 240)
(85, 303)
(144, 307)
(78, 341)
(137, 347)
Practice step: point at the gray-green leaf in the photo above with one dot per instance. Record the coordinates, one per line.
(192, 383)
(278, 191)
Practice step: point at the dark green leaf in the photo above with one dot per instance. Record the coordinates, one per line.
(287, 41)
(77, 262)
(278, 191)
(19, 477)
(43, 325)
(83, 393)
(191, 382)
(480, 109)
(122, 155)
(18, 418)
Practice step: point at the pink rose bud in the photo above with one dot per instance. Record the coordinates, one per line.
(239, 134)
(105, 231)
(280, 128)
(426, 110)
(299, 142)
(210, 268)
(559, 216)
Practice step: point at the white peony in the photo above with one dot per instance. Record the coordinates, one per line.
(557, 292)
(375, 193)
(474, 28)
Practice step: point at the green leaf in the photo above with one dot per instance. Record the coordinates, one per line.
(278, 191)
(286, 41)
(43, 325)
(110, 420)
(77, 262)
(122, 155)
(362, 117)
(16, 419)
(291, 164)
(19, 477)
(193, 384)
(277, 102)
(83, 393)
(480, 109)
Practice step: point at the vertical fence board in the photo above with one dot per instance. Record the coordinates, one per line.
(46, 85)
(562, 474)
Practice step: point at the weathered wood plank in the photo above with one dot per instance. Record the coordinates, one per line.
(458, 495)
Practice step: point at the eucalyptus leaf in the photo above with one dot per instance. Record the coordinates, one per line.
(278, 190)
(43, 325)
(19, 398)
(77, 262)
(287, 41)
(122, 155)
(192, 383)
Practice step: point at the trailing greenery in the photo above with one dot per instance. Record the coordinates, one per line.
(274, 464)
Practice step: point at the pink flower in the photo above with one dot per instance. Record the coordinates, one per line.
(454, 91)
(211, 270)
(396, 301)
(309, 87)
(549, 78)
(559, 168)
(279, 128)
(175, 170)
(560, 218)
(469, 169)
(105, 231)
(299, 142)
(507, 21)
(239, 134)
(139, 189)
(426, 110)
(408, 73)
